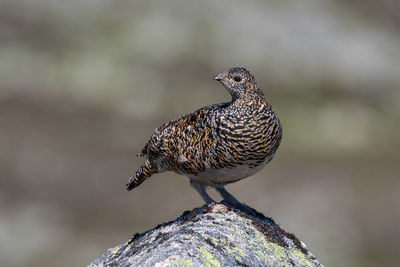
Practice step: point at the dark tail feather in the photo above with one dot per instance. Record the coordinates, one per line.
(142, 174)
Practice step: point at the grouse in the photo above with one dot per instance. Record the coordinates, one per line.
(218, 144)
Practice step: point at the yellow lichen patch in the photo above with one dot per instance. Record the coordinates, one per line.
(180, 263)
(222, 240)
(301, 256)
(234, 252)
(208, 258)
(278, 252)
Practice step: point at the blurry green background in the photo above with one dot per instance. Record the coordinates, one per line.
(83, 84)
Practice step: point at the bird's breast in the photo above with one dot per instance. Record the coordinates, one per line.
(226, 175)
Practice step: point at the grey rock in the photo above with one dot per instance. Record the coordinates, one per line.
(213, 235)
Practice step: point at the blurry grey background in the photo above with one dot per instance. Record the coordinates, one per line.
(83, 84)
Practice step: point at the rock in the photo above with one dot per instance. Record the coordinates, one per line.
(213, 235)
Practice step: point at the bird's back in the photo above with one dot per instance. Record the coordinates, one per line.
(217, 144)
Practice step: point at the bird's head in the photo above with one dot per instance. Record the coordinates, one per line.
(240, 83)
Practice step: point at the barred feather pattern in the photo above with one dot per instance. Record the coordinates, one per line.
(241, 134)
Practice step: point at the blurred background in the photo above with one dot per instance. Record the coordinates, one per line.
(83, 84)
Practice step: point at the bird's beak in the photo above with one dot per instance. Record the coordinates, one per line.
(217, 78)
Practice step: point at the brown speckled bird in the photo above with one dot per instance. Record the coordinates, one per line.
(218, 144)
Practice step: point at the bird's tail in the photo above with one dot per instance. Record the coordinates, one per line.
(147, 170)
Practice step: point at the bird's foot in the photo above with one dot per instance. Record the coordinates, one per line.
(241, 207)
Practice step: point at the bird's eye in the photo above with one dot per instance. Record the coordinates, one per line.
(237, 79)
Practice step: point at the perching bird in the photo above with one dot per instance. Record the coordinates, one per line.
(218, 144)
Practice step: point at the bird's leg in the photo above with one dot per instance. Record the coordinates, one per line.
(202, 191)
(228, 197)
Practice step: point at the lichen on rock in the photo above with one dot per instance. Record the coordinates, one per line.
(213, 235)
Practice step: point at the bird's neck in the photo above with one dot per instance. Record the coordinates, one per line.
(249, 100)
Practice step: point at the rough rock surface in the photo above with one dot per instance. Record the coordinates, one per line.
(213, 235)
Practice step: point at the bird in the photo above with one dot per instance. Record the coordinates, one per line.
(218, 144)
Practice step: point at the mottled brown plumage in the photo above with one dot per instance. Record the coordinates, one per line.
(217, 144)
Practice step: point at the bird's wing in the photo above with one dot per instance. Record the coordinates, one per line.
(186, 143)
